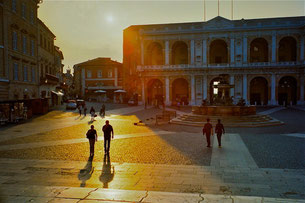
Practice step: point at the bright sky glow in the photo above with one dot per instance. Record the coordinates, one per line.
(86, 29)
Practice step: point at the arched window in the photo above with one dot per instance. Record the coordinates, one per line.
(259, 50)
(179, 53)
(154, 54)
(218, 52)
(287, 49)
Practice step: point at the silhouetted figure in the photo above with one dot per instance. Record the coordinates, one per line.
(92, 113)
(79, 110)
(208, 130)
(86, 173)
(219, 130)
(92, 137)
(107, 174)
(103, 110)
(85, 110)
(108, 130)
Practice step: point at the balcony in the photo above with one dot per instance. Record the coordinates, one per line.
(49, 79)
(141, 68)
(104, 87)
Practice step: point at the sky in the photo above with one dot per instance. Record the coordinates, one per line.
(87, 29)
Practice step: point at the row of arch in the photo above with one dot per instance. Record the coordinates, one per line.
(259, 91)
(218, 52)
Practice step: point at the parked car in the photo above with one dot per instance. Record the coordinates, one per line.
(71, 104)
(132, 102)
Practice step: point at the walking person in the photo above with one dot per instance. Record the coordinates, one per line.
(103, 110)
(92, 137)
(80, 110)
(219, 130)
(85, 110)
(108, 134)
(208, 131)
(92, 112)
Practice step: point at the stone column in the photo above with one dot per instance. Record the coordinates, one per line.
(204, 51)
(192, 90)
(232, 83)
(115, 76)
(192, 51)
(167, 102)
(273, 86)
(232, 52)
(205, 87)
(245, 88)
(166, 52)
(83, 82)
(302, 49)
(143, 91)
(273, 54)
(301, 101)
(245, 49)
(142, 53)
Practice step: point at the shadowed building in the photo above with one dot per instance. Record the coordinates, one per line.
(101, 74)
(181, 62)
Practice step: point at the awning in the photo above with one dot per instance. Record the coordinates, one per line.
(120, 91)
(100, 91)
(58, 93)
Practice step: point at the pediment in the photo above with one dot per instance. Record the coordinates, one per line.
(219, 22)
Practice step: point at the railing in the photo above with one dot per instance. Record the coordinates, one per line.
(220, 65)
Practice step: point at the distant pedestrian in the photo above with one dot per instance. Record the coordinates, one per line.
(92, 137)
(208, 131)
(92, 113)
(219, 130)
(108, 134)
(103, 110)
(79, 110)
(85, 110)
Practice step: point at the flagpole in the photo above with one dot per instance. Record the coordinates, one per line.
(204, 10)
(218, 7)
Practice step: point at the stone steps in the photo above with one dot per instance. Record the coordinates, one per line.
(228, 121)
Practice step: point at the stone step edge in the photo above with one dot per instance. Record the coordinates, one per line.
(115, 195)
(254, 124)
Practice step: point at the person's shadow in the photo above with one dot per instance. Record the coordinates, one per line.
(86, 173)
(107, 172)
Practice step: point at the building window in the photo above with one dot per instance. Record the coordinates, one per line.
(25, 73)
(14, 6)
(32, 47)
(89, 74)
(41, 40)
(109, 73)
(99, 74)
(15, 47)
(32, 16)
(24, 41)
(16, 67)
(33, 74)
(23, 10)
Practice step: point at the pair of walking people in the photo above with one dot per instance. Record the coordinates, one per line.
(208, 131)
(92, 137)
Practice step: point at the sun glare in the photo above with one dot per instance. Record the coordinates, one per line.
(109, 19)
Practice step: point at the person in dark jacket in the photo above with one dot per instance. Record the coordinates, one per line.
(108, 131)
(219, 130)
(208, 131)
(92, 137)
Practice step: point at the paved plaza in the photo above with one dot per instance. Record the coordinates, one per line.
(46, 160)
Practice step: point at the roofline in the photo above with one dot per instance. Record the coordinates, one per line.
(78, 64)
(185, 23)
(46, 27)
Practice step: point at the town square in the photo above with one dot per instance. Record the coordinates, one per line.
(206, 110)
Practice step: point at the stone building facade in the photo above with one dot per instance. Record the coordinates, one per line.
(262, 58)
(18, 49)
(97, 74)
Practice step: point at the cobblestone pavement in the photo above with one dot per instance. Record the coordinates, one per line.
(46, 161)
